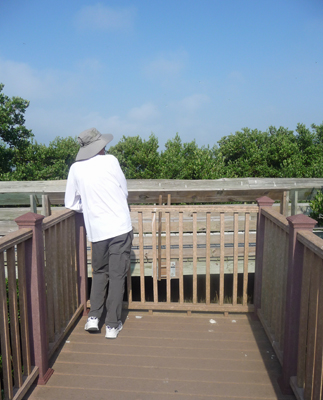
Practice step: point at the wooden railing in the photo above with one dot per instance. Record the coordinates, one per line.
(274, 277)
(289, 269)
(186, 253)
(45, 262)
(14, 327)
(309, 380)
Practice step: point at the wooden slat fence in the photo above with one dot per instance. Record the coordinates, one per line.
(60, 275)
(45, 267)
(308, 383)
(180, 250)
(17, 371)
(274, 278)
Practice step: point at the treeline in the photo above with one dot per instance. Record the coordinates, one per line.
(279, 153)
(276, 153)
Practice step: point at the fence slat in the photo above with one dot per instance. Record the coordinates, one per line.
(155, 267)
(141, 255)
(25, 345)
(4, 334)
(13, 310)
(194, 258)
(207, 260)
(221, 283)
(168, 289)
(49, 251)
(246, 259)
(318, 368)
(180, 260)
(312, 326)
(235, 259)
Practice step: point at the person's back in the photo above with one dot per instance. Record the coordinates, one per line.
(103, 189)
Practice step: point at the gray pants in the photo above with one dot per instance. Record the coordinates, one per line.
(110, 264)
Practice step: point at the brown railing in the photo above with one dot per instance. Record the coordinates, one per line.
(274, 277)
(185, 256)
(45, 262)
(308, 383)
(289, 297)
(17, 369)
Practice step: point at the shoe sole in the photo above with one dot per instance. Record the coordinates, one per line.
(92, 329)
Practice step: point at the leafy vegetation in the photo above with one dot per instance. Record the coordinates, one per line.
(316, 206)
(275, 153)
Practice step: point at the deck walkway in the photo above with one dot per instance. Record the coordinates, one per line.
(167, 356)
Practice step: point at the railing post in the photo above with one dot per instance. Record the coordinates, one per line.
(81, 254)
(293, 299)
(36, 295)
(260, 237)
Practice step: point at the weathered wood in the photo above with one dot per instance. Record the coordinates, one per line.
(4, 334)
(181, 191)
(141, 257)
(25, 345)
(13, 311)
(46, 209)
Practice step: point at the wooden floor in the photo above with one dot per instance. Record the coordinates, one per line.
(167, 356)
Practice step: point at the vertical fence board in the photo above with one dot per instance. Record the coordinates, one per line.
(181, 280)
(57, 290)
(246, 259)
(141, 257)
(221, 282)
(75, 289)
(23, 309)
(60, 286)
(194, 258)
(312, 327)
(318, 368)
(208, 258)
(69, 268)
(4, 334)
(235, 258)
(168, 289)
(154, 245)
(49, 284)
(13, 310)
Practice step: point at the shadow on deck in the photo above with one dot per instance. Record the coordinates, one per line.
(167, 356)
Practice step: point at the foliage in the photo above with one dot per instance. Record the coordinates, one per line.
(13, 134)
(139, 159)
(316, 206)
(41, 162)
(187, 161)
(247, 153)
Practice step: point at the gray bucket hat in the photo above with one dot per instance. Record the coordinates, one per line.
(91, 142)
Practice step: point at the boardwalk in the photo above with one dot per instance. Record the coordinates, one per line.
(167, 356)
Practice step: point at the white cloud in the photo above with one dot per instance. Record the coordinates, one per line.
(145, 112)
(190, 104)
(166, 65)
(48, 84)
(104, 18)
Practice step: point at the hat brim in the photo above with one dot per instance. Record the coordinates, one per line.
(94, 148)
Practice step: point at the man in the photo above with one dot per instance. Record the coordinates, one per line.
(97, 187)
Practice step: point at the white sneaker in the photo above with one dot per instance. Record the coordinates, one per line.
(112, 333)
(92, 324)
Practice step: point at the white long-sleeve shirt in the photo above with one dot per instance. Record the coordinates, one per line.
(98, 188)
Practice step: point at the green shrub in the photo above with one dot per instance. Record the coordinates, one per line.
(317, 208)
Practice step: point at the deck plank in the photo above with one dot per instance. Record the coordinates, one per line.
(163, 356)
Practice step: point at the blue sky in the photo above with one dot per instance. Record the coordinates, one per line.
(202, 68)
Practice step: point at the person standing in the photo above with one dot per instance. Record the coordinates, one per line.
(97, 187)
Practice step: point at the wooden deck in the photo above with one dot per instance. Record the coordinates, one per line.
(167, 356)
